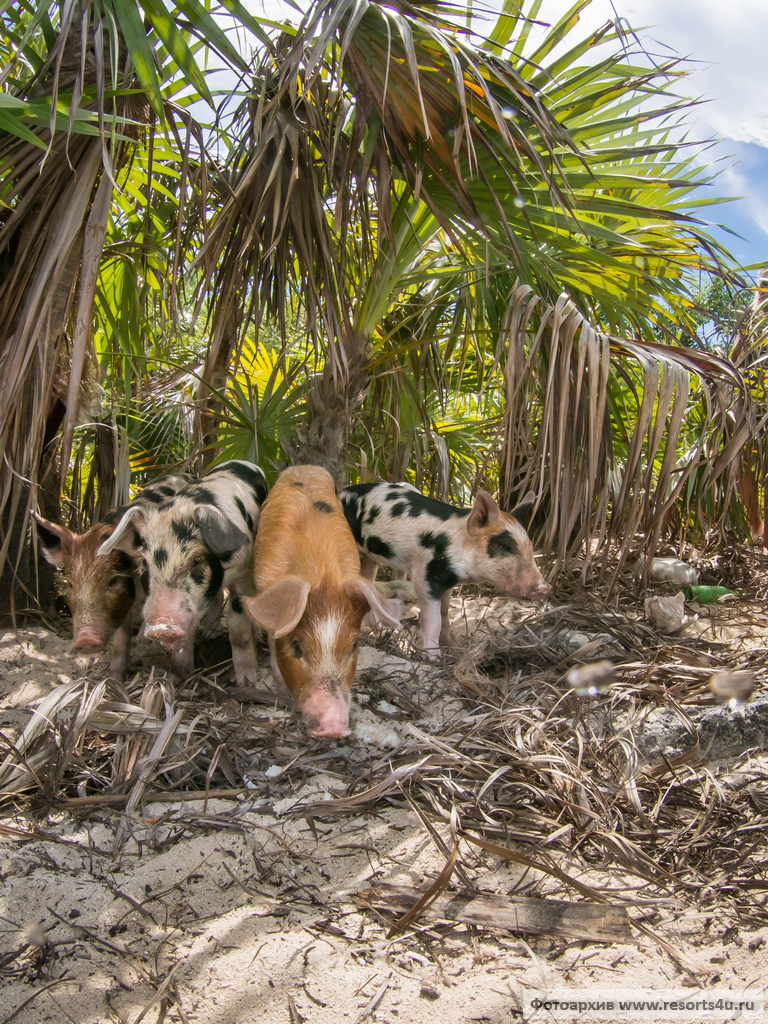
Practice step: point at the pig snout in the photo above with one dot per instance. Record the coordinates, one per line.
(87, 641)
(326, 712)
(165, 633)
(167, 617)
(540, 592)
(528, 587)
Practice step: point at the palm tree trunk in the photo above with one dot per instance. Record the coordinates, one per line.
(334, 401)
(19, 581)
(215, 374)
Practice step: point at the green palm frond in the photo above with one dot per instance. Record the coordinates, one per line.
(469, 238)
(263, 410)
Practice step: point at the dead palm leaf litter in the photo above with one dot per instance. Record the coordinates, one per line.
(517, 768)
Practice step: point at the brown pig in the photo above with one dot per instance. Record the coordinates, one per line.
(101, 589)
(311, 597)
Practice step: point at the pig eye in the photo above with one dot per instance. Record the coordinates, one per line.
(114, 581)
(296, 650)
(502, 544)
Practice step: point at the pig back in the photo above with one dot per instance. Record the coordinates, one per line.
(303, 531)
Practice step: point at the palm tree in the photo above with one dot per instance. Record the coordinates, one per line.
(383, 150)
(417, 195)
(86, 85)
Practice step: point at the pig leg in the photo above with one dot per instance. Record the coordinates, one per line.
(241, 639)
(183, 656)
(368, 569)
(431, 622)
(367, 566)
(120, 662)
(212, 614)
(445, 621)
(277, 675)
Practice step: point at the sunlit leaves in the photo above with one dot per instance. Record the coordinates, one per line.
(263, 407)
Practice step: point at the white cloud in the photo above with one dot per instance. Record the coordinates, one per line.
(725, 42)
(754, 129)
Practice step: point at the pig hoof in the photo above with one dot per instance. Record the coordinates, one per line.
(247, 678)
(431, 653)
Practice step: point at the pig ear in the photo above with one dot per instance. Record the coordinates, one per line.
(279, 608)
(51, 537)
(219, 535)
(124, 534)
(523, 512)
(484, 513)
(385, 611)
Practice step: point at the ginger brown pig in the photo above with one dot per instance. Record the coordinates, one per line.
(311, 596)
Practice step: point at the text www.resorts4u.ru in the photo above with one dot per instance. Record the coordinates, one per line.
(710, 1004)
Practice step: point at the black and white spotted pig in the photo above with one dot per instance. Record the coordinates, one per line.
(191, 546)
(441, 545)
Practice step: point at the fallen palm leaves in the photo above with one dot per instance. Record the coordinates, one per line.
(522, 767)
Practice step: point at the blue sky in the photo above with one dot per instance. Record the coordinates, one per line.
(748, 216)
(725, 43)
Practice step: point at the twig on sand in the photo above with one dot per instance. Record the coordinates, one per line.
(369, 1009)
(158, 994)
(39, 992)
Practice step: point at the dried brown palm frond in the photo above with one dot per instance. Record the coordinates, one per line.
(612, 433)
(49, 226)
(749, 353)
(43, 752)
(83, 89)
(524, 765)
(49, 750)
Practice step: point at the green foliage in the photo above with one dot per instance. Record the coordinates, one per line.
(722, 311)
(263, 408)
(716, 315)
(397, 207)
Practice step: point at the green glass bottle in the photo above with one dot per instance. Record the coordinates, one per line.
(705, 595)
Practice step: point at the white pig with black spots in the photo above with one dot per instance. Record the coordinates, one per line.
(190, 547)
(440, 545)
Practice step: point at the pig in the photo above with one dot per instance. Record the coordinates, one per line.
(311, 596)
(101, 590)
(440, 545)
(195, 543)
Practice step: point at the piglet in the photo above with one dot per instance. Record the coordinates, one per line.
(440, 545)
(101, 590)
(311, 597)
(192, 545)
